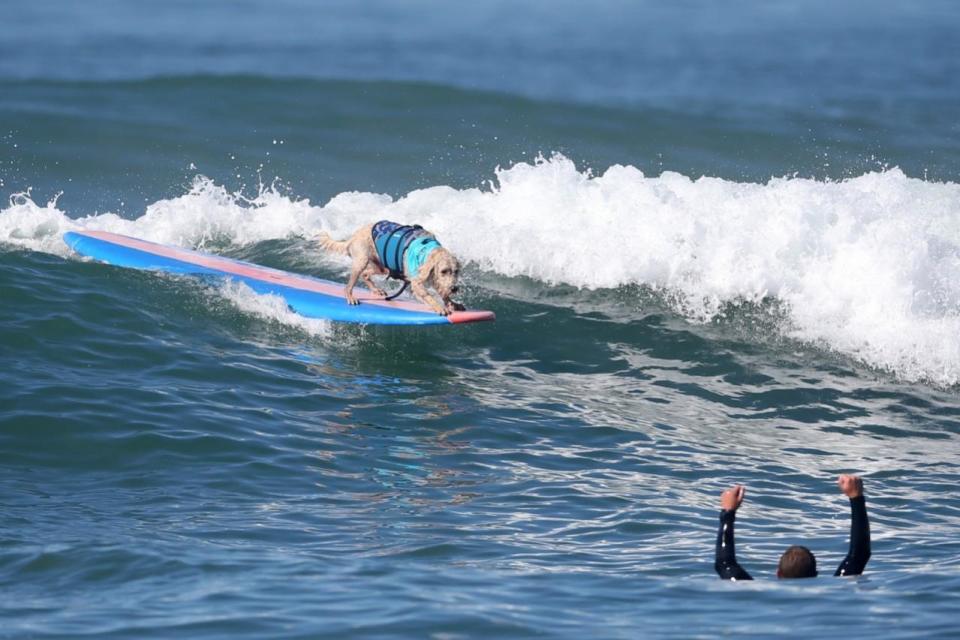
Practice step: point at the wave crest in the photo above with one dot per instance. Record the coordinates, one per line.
(868, 266)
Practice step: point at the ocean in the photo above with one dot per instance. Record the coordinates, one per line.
(722, 241)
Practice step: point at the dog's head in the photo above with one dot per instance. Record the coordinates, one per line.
(442, 272)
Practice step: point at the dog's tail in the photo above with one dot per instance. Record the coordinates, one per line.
(329, 244)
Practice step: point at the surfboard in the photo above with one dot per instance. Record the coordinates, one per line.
(306, 295)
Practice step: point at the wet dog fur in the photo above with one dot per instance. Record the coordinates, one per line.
(440, 271)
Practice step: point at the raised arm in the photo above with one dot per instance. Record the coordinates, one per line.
(726, 560)
(859, 552)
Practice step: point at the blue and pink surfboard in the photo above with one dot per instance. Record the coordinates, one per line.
(308, 296)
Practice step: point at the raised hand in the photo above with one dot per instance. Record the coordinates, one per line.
(850, 485)
(731, 498)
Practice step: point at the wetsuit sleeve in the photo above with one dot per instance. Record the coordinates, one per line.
(726, 562)
(859, 552)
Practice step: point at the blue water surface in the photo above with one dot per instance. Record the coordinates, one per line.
(175, 465)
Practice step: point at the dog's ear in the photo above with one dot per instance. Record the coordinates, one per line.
(425, 274)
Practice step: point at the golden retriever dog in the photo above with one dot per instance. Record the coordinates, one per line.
(404, 252)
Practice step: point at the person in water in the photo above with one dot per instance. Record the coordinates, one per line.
(797, 561)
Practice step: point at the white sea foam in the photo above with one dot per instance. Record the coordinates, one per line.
(206, 213)
(273, 308)
(868, 266)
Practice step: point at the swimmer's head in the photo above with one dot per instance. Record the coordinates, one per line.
(797, 562)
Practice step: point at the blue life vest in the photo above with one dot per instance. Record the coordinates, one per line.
(402, 249)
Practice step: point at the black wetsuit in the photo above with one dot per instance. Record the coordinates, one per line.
(726, 562)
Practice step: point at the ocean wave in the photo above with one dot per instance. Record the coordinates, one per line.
(868, 266)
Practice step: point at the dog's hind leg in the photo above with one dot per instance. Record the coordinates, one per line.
(360, 265)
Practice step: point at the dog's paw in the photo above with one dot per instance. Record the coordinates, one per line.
(455, 306)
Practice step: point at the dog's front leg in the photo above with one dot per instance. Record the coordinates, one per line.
(453, 305)
(421, 293)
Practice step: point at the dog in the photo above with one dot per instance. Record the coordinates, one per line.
(405, 252)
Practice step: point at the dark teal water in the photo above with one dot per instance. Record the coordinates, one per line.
(722, 243)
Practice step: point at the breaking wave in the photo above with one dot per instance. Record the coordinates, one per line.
(868, 266)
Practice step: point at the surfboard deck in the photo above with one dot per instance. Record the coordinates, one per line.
(310, 297)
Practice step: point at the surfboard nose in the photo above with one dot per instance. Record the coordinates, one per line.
(460, 317)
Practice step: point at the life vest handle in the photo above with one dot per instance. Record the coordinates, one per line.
(400, 248)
